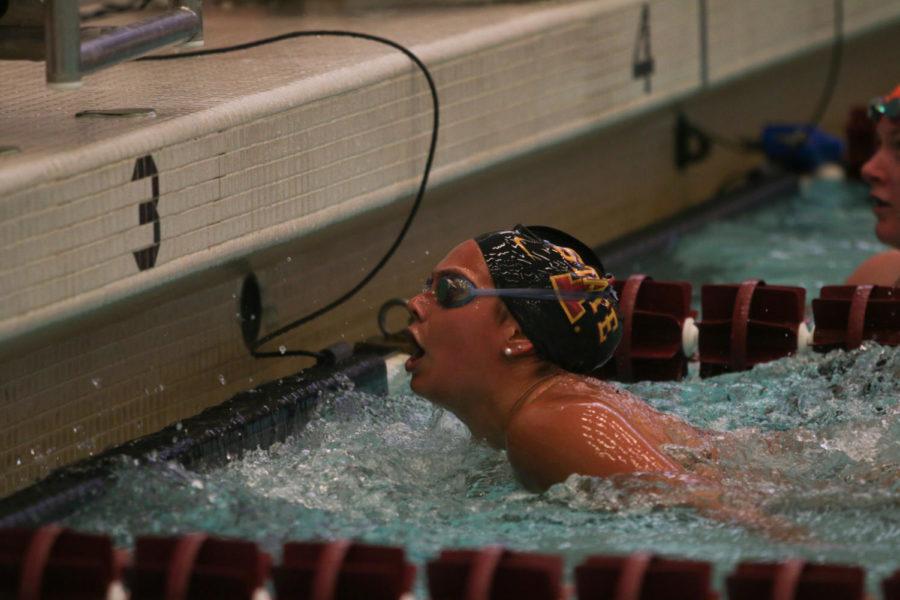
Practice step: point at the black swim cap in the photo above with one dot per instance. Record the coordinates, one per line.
(577, 335)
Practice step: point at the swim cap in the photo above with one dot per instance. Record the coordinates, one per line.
(894, 94)
(577, 335)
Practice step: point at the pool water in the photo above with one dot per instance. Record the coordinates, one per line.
(812, 239)
(812, 440)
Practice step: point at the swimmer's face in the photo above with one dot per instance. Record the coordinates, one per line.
(882, 173)
(462, 347)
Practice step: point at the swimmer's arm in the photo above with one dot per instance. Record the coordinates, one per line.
(547, 442)
(881, 269)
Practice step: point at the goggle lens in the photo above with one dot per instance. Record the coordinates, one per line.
(879, 108)
(452, 292)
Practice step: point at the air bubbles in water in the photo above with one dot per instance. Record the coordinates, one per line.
(179, 426)
(222, 379)
(96, 382)
(282, 349)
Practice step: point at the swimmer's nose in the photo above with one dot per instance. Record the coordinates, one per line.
(871, 172)
(416, 306)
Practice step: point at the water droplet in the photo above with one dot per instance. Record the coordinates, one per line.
(32, 451)
(18, 461)
(282, 349)
(288, 259)
(96, 382)
(179, 426)
(222, 379)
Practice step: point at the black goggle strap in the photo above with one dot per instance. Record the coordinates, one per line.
(879, 108)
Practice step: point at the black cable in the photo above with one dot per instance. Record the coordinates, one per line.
(416, 203)
(834, 67)
(825, 97)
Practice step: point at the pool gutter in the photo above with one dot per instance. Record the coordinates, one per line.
(255, 418)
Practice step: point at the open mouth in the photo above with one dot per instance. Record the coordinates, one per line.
(413, 348)
(879, 203)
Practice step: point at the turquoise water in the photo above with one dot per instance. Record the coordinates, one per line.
(811, 239)
(812, 440)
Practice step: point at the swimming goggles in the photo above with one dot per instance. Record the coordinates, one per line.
(453, 291)
(880, 107)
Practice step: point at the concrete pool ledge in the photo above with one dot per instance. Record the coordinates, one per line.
(295, 162)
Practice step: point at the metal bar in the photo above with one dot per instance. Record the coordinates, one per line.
(63, 39)
(195, 6)
(130, 41)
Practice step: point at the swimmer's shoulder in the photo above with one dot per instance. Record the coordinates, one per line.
(880, 269)
(561, 434)
(543, 441)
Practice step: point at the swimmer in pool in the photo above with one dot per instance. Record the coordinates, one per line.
(508, 329)
(882, 173)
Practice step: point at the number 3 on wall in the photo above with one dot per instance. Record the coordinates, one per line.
(642, 58)
(147, 213)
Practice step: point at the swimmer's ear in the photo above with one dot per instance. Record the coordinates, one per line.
(519, 345)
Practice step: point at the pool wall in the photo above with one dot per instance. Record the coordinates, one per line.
(304, 180)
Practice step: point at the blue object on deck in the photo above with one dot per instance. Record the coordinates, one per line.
(801, 147)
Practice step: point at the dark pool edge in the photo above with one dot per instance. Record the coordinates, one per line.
(250, 419)
(758, 185)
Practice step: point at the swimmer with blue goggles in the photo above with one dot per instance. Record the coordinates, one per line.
(884, 107)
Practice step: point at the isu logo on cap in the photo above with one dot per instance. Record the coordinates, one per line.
(579, 281)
